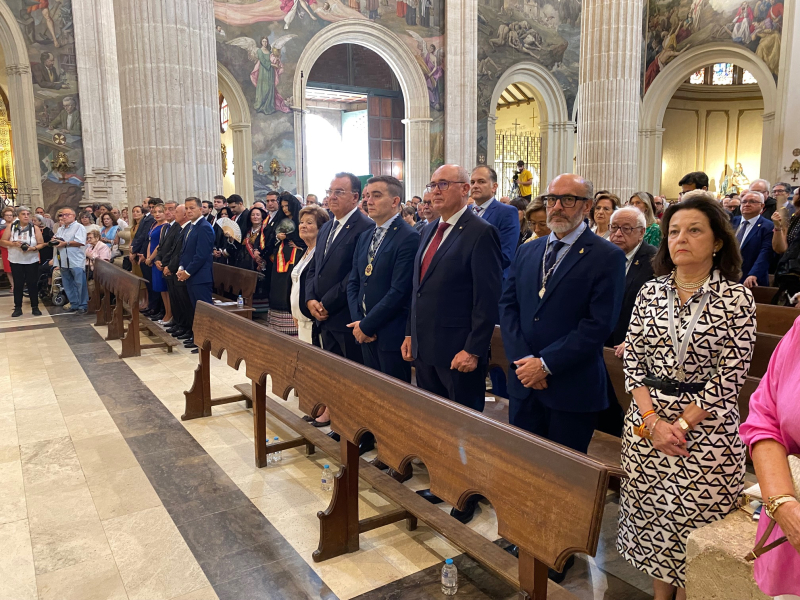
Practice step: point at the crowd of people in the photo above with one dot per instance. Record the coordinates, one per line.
(565, 274)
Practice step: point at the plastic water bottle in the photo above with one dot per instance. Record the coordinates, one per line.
(276, 456)
(327, 479)
(240, 302)
(449, 578)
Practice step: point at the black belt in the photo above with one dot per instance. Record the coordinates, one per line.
(673, 387)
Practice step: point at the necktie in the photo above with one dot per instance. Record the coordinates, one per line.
(377, 238)
(330, 236)
(478, 210)
(437, 240)
(742, 230)
(552, 255)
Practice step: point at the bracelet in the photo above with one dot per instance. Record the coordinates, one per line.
(652, 427)
(773, 502)
(647, 414)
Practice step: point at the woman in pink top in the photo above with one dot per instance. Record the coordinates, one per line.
(772, 431)
(95, 249)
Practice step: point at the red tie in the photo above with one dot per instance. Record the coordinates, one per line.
(437, 240)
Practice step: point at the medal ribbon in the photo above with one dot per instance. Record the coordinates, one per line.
(680, 351)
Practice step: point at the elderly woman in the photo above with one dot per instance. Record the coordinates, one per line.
(96, 248)
(644, 202)
(536, 216)
(312, 218)
(23, 242)
(604, 206)
(688, 349)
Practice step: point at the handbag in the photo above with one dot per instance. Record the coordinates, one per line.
(761, 548)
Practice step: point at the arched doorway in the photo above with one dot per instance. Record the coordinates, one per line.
(409, 76)
(553, 124)
(21, 105)
(236, 137)
(663, 88)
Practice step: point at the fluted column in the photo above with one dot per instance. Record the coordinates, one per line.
(609, 94)
(168, 85)
(460, 83)
(418, 156)
(101, 113)
(23, 139)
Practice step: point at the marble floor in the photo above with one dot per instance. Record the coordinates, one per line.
(105, 493)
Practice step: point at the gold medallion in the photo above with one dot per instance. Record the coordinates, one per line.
(680, 375)
(541, 293)
(368, 270)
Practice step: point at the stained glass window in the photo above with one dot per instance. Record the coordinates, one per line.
(722, 74)
(698, 78)
(224, 115)
(747, 77)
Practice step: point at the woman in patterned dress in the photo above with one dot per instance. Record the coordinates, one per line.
(688, 468)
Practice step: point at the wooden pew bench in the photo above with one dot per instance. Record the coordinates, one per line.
(775, 320)
(231, 282)
(534, 485)
(764, 295)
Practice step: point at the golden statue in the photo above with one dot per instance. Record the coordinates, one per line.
(739, 181)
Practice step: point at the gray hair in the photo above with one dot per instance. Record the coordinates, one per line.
(753, 193)
(71, 100)
(633, 211)
(764, 181)
(21, 209)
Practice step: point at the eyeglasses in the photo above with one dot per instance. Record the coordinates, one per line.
(749, 202)
(427, 202)
(337, 193)
(779, 191)
(626, 229)
(442, 185)
(567, 200)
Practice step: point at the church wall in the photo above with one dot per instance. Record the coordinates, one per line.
(526, 115)
(710, 136)
(289, 26)
(228, 180)
(39, 26)
(511, 31)
(675, 26)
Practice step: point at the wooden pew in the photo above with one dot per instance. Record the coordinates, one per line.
(764, 295)
(776, 320)
(535, 486)
(109, 279)
(235, 281)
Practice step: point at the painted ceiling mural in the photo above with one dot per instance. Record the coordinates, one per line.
(50, 39)
(511, 31)
(260, 42)
(675, 26)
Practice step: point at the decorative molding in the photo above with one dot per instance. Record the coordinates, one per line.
(18, 69)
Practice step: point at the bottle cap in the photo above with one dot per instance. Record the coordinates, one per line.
(449, 561)
(327, 466)
(276, 437)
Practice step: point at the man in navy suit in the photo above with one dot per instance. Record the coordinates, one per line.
(561, 302)
(197, 259)
(505, 218)
(754, 234)
(379, 290)
(329, 271)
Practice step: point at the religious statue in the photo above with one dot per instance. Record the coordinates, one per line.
(738, 181)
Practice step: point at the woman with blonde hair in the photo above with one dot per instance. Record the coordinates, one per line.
(645, 202)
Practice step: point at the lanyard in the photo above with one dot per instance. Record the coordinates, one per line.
(679, 373)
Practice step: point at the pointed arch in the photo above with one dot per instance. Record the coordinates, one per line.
(240, 126)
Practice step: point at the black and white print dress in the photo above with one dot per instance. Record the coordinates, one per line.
(665, 497)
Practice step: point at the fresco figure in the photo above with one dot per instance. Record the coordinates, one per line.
(43, 6)
(265, 76)
(742, 27)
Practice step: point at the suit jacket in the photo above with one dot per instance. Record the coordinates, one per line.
(756, 250)
(454, 307)
(211, 218)
(196, 255)
(328, 274)
(506, 219)
(142, 237)
(243, 221)
(60, 122)
(387, 291)
(166, 249)
(42, 78)
(174, 260)
(641, 272)
(568, 326)
(420, 225)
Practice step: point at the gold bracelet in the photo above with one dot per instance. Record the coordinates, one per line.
(773, 502)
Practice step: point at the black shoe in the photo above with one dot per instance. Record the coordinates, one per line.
(379, 464)
(557, 577)
(17, 312)
(81, 311)
(156, 317)
(513, 551)
(36, 312)
(176, 332)
(146, 312)
(316, 423)
(466, 515)
(432, 498)
(175, 329)
(192, 346)
(195, 351)
(170, 324)
(367, 443)
(185, 336)
(404, 476)
(334, 436)
(188, 342)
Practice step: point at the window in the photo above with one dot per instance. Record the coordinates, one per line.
(224, 114)
(698, 78)
(722, 74)
(747, 77)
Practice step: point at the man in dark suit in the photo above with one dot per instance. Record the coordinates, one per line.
(208, 211)
(241, 215)
(425, 212)
(379, 290)
(329, 271)
(627, 233)
(168, 260)
(454, 303)
(45, 73)
(196, 259)
(754, 234)
(505, 218)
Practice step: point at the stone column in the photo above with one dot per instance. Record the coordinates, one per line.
(23, 134)
(418, 156)
(169, 92)
(101, 114)
(460, 83)
(609, 94)
(650, 141)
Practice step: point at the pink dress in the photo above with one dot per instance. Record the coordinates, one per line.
(775, 415)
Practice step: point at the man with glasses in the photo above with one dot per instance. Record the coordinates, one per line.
(763, 187)
(782, 193)
(425, 212)
(70, 256)
(754, 234)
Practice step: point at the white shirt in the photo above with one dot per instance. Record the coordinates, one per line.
(749, 229)
(629, 257)
(452, 221)
(568, 240)
(484, 206)
(294, 294)
(342, 222)
(195, 222)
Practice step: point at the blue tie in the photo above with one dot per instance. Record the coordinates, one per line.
(552, 255)
(742, 230)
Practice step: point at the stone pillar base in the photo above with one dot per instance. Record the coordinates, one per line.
(103, 186)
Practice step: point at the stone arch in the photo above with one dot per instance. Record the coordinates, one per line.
(666, 84)
(240, 125)
(399, 57)
(556, 127)
(22, 106)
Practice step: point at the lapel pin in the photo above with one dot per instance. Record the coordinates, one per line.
(348, 227)
(461, 227)
(581, 252)
(636, 264)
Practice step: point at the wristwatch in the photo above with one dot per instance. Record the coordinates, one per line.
(683, 424)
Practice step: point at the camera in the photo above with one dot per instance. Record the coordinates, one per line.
(24, 247)
(55, 241)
